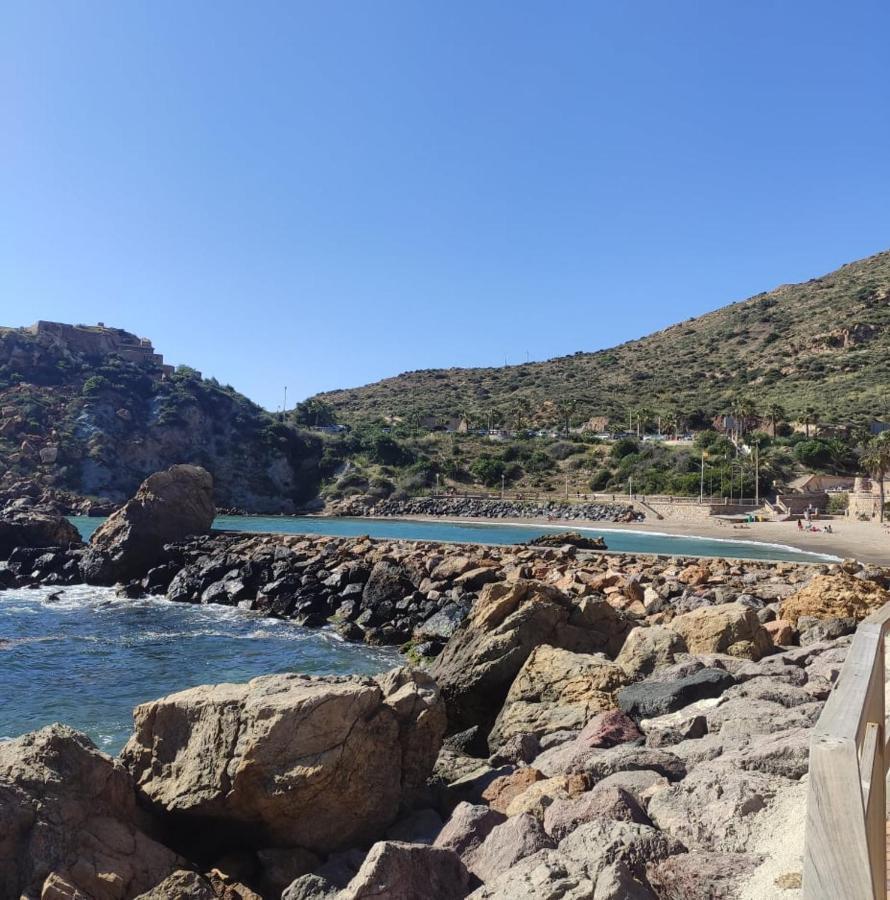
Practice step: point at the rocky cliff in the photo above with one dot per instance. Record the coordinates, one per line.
(93, 411)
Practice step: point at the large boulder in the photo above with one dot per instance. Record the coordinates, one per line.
(648, 649)
(30, 528)
(839, 596)
(715, 807)
(483, 657)
(556, 690)
(289, 760)
(168, 506)
(68, 822)
(647, 699)
(731, 628)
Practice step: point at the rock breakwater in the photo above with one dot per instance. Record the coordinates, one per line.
(481, 508)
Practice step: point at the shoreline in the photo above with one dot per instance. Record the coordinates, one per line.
(864, 541)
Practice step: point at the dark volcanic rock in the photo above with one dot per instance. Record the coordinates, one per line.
(648, 699)
(572, 538)
(35, 529)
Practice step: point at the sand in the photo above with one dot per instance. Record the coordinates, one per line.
(866, 541)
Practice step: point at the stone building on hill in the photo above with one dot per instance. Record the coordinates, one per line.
(98, 341)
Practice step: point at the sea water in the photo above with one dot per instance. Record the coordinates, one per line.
(82, 656)
(619, 541)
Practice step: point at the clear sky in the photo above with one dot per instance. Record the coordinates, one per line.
(322, 194)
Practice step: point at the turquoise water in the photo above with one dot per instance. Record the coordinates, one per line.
(498, 533)
(86, 657)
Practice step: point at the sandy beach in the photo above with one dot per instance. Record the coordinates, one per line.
(866, 541)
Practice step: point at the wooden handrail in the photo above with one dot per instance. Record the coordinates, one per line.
(846, 839)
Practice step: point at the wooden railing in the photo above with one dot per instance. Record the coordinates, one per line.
(846, 843)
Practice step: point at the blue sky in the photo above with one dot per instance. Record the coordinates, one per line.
(322, 194)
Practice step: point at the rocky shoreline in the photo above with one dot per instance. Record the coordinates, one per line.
(579, 726)
(478, 508)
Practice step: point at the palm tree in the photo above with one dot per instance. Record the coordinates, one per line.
(876, 461)
(566, 407)
(810, 417)
(743, 411)
(644, 420)
(775, 413)
(519, 414)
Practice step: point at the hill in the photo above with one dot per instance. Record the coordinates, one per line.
(93, 410)
(823, 344)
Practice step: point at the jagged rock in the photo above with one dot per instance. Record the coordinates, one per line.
(31, 528)
(626, 757)
(837, 596)
(603, 842)
(518, 749)
(399, 871)
(608, 729)
(507, 843)
(319, 763)
(168, 506)
(545, 875)
(68, 815)
(648, 649)
(181, 885)
(701, 875)
(482, 658)
(556, 690)
(538, 797)
(714, 807)
(647, 699)
(731, 628)
(617, 882)
(387, 583)
(641, 784)
(467, 828)
(311, 887)
(563, 816)
(501, 792)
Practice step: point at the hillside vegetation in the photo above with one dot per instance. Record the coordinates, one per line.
(96, 425)
(823, 345)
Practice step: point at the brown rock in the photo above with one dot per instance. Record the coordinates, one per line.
(603, 802)
(539, 796)
(604, 730)
(168, 506)
(399, 871)
(482, 658)
(556, 690)
(648, 649)
(515, 839)
(68, 816)
(467, 828)
(731, 628)
(781, 631)
(838, 596)
(503, 790)
(181, 885)
(694, 575)
(289, 760)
